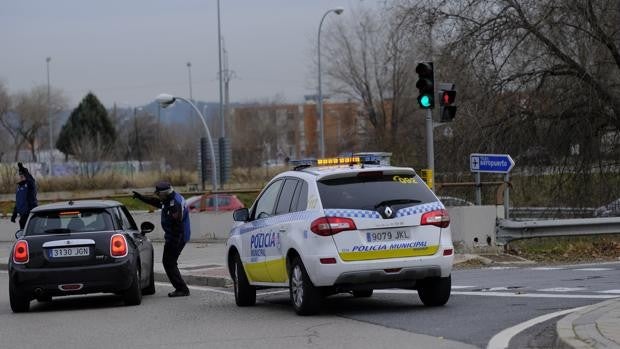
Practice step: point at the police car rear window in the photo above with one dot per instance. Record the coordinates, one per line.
(367, 191)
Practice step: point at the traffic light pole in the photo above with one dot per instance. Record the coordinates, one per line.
(430, 152)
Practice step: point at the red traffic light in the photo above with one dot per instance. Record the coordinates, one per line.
(447, 97)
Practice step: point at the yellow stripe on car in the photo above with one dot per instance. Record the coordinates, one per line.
(385, 254)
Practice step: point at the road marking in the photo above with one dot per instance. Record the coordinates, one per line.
(216, 290)
(502, 339)
(461, 287)
(547, 268)
(610, 291)
(563, 289)
(199, 288)
(535, 295)
(507, 294)
(593, 269)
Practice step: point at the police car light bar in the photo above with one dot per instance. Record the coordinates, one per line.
(369, 158)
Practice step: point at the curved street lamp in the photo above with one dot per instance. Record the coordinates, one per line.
(337, 10)
(165, 100)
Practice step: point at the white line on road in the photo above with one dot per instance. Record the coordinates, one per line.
(215, 290)
(502, 339)
(508, 294)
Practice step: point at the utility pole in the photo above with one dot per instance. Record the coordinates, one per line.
(50, 160)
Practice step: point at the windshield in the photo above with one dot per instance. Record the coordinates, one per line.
(67, 221)
(371, 190)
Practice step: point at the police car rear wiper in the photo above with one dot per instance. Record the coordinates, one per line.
(397, 202)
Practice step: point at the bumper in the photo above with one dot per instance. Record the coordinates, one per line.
(114, 277)
(384, 273)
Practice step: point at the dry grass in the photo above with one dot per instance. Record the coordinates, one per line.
(572, 249)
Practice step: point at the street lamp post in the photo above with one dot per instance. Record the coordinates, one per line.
(189, 74)
(166, 100)
(49, 120)
(337, 10)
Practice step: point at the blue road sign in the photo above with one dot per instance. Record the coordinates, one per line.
(493, 163)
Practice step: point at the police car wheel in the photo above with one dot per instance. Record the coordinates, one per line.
(306, 298)
(362, 293)
(245, 294)
(434, 292)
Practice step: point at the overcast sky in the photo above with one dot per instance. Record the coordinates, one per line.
(128, 51)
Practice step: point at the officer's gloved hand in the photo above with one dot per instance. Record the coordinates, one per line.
(13, 217)
(136, 195)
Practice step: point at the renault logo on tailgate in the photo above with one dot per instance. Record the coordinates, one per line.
(388, 212)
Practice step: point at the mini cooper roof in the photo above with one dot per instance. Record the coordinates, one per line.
(78, 204)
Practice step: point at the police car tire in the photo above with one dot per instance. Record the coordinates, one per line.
(19, 302)
(434, 292)
(362, 293)
(245, 294)
(305, 297)
(133, 295)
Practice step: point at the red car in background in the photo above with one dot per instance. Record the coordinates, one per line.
(225, 202)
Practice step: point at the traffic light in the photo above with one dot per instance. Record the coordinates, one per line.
(447, 107)
(426, 85)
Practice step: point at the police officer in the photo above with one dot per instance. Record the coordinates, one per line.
(175, 223)
(25, 196)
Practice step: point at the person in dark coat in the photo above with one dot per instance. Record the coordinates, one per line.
(25, 196)
(175, 223)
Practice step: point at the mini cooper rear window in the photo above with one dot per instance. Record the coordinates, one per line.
(371, 190)
(62, 222)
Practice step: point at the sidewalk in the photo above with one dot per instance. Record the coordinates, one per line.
(204, 264)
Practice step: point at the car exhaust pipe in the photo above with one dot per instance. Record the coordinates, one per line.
(38, 292)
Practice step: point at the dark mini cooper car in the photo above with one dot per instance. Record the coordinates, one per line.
(80, 247)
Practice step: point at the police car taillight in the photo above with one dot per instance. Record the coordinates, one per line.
(326, 226)
(21, 254)
(118, 246)
(438, 218)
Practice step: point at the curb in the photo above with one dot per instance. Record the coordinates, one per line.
(575, 334)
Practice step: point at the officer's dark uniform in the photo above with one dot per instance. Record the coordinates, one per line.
(25, 196)
(175, 223)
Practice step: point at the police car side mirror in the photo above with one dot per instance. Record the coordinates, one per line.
(19, 233)
(146, 227)
(241, 215)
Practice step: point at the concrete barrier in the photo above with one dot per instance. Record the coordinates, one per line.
(205, 226)
(472, 226)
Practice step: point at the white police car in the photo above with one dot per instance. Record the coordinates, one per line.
(350, 224)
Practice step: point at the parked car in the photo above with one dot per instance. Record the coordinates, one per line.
(612, 209)
(80, 247)
(353, 225)
(225, 202)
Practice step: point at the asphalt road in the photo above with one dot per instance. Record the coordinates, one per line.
(206, 319)
(485, 310)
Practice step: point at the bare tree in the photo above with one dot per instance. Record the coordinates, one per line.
(372, 60)
(25, 114)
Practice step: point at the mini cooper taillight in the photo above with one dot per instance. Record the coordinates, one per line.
(118, 246)
(438, 218)
(21, 254)
(326, 226)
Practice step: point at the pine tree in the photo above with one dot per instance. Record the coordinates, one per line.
(88, 126)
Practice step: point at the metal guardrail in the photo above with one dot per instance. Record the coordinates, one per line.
(509, 230)
(551, 212)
